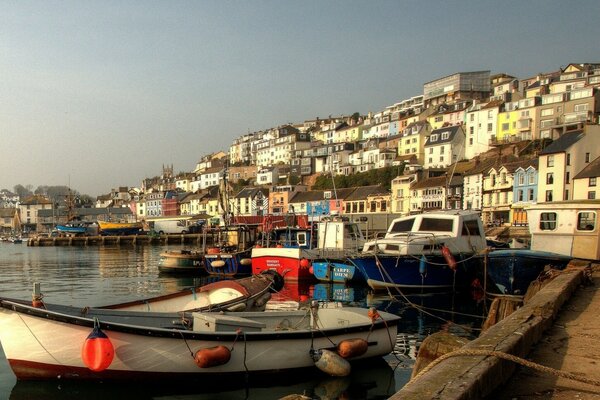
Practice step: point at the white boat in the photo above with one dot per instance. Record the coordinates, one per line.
(567, 227)
(64, 342)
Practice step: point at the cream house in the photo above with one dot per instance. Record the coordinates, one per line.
(562, 160)
(586, 184)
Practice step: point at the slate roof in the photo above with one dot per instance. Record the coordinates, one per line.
(592, 170)
(451, 129)
(563, 143)
(251, 192)
(361, 193)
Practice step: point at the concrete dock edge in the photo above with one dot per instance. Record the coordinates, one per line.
(475, 377)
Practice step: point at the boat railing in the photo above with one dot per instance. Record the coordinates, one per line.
(409, 238)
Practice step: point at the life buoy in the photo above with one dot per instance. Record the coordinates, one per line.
(449, 257)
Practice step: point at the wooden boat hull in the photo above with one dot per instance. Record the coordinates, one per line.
(183, 261)
(47, 343)
(119, 228)
(512, 271)
(244, 294)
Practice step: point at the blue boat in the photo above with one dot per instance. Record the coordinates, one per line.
(510, 272)
(434, 250)
(71, 229)
(231, 253)
(337, 271)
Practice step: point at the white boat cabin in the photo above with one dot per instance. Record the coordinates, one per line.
(338, 233)
(460, 231)
(566, 227)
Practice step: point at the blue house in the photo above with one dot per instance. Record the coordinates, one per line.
(524, 191)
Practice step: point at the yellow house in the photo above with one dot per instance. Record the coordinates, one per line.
(448, 114)
(412, 141)
(507, 124)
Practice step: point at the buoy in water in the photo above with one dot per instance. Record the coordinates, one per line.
(212, 356)
(331, 363)
(97, 352)
(352, 347)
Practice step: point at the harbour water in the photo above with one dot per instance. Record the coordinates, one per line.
(100, 275)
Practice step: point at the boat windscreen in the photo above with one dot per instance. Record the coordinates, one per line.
(404, 225)
(436, 225)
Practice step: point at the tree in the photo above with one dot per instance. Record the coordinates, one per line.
(23, 191)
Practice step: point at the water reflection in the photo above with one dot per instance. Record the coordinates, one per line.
(108, 275)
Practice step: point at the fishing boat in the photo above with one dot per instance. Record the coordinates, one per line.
(71, 229)
(182, 261)
(433, 250)
(230, 254)
(244, 294)
(71, 343)
(510, 272)
(108, 228)
(319, 251)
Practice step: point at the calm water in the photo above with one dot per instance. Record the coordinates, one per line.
(105, 275)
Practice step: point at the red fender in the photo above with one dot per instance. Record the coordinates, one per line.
(449, 257)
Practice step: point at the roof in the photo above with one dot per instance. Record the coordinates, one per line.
(452, 130)
(436, 181)
(592, 170)
(563, 143)
(361, 193)
(251, 192)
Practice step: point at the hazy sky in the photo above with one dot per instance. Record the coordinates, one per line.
(101, 94)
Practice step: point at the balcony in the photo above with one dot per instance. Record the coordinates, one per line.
(576, 117)
(524, 124)
(494, 141)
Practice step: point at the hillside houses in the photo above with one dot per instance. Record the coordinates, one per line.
(472, 140)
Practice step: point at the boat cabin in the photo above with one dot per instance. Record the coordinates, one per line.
(459, 229)
(566, 227)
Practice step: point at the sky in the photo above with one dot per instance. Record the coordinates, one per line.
(101, 94)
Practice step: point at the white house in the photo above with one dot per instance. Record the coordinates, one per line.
(444, 146)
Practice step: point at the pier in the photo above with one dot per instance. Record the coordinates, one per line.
(552, 330)
(130, 240)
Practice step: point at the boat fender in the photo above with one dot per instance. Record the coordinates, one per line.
(279, 246)
(352, 347)
(213, 250)
(373, 314)
(311, 270)
(449, 257)
(218, 263)
(97, 352)
(423, 265)
(246, 261)
(212, 356)
(332, 363)
(304, 263)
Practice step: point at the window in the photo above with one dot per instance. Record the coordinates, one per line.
(587, 157)
(548, 195)
(591, 195)
(568, 177)
(550, 161)
(402, 226)
(470, 228)
(530, 194)
(592, 182)
(445, 135)
(471, 130)
(586, 221)
(520, 196)
(436, 225)
(548, 221)
(549, 178)
(568, 158)
(532, 178)
(547, 112)
(521, 179)
(505, 126)
(471, 141)
(489, 127)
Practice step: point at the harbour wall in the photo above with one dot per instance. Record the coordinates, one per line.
(130, 240)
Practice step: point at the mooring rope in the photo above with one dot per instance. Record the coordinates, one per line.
(508, 357)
